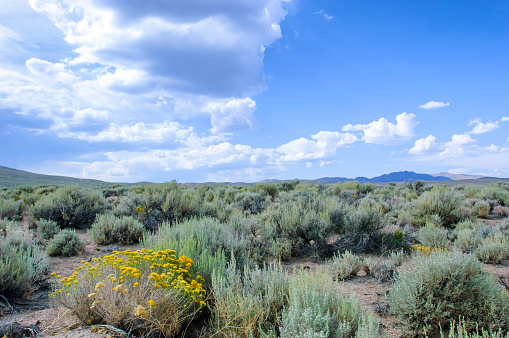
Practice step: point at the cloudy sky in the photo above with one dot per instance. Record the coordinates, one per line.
(244, 90)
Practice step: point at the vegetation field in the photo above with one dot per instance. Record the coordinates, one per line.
(278, 259)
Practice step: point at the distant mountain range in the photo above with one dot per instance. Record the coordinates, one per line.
(13, 178)
(400, 176)
(10, 178)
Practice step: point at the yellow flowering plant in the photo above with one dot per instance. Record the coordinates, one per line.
(422, 250)
(139, 291)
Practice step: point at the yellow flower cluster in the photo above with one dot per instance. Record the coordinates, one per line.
(424, 250)
(143, 209)
(161, 269)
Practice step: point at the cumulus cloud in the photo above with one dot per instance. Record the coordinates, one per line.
(458, 146)
(322, 144)
(193, 46)
(234, 115)
(480, 128)
(434, 105)
(385, 132)
(424, 145)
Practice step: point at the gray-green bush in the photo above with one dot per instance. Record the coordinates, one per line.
(344, 265)
(443, 288)
(433, 236)
(48, 229)
(65, 243)
(248, 304)
(441, 201)
(108, 228)
(23, 265)
(70, 207)
(316, 309)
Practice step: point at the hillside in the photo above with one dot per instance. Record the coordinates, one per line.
(10, 178)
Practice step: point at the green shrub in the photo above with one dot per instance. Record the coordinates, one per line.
(501, 211)
(211, 235)
(11, 209)
(70, 207)
(48, 229)
(481, 209)
(433, 236)
(459, 330)
(344, 265)
(316, 309)
(443, 288)
(493, 248)
(109, 228)
(383, 269)
(439, 201)
(248, 304)
(23, 265)
(65, 243)
(467, 240)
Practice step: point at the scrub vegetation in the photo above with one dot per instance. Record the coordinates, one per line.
(212, 260)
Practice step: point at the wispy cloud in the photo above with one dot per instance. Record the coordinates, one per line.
(325, 15)
(434, 105)
(505, 118)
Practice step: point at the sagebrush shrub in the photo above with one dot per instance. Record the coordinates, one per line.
(439, 201)
(23, 265)
(467, 240)
(65, 243)
(48, 229)
(248, 303)
(433, 236)
(344, 265)
(481, 209)
(108, 228)
(316, 309)
(493, 248)
(443, 288)
(11, 209)
(70, 207)
(501, 211)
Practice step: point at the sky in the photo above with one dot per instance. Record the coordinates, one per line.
(246, 90)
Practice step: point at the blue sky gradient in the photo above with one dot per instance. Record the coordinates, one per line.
(253, 89)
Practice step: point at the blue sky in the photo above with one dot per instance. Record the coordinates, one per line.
(244, 90)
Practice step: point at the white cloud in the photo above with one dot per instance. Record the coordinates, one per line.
(174, 41)
(459, 145)
(309, 164)
(434, 105)
(480, 128)
(505, 118)
(385, 132)
(326, 163)
(140, 132)
(325, 15)
(459, 171)
(323, 144)
(424, 145)
(234, 115)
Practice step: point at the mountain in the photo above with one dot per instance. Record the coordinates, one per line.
(400, 176)
(458, 176)
(10, 178)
